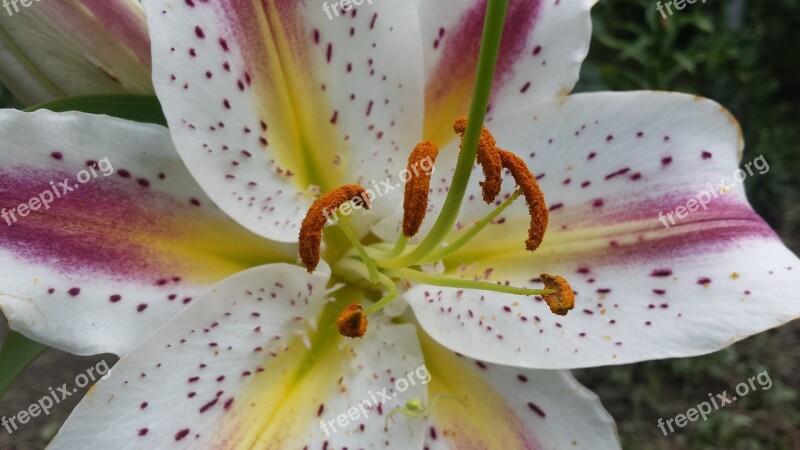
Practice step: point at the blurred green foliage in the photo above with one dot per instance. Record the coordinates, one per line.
(7, 100)
(743, 54)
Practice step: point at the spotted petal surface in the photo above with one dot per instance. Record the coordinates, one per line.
(235, 371)
(272, 102)
(544, 43)
(609, 164)
(482, 405)
(54, 49)
(114, 236)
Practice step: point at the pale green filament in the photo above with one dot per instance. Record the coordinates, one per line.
(388, 298)
(362, 252)
(438, 280)
(398, 249)
(456, 245)
(350, 265)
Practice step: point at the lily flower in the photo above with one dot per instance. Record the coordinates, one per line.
(272, 104)
(92, 47)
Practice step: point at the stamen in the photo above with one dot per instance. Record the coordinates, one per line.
(438, 280)
(352, 322)
(415, 204)
(563, 299)
(533, 195)
(488, 158)
(487, 60)
(320, 212)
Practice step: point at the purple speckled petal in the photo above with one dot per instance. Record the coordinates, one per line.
(53, 49)
(115, 238)
(270, 102)
(544, 44)
(235, 371)
(509, 408)
(608, 164)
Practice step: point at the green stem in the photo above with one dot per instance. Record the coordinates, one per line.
(487, 60)
(362, 252)
(456, 245)
(438, 280)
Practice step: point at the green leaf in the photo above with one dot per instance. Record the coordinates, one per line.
(17, 354)
(685, 61)
(139, 108)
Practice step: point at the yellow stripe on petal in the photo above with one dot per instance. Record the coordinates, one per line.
(208, 250)
(280, 61)
(445, 103)
(485, 420)
(275, 400)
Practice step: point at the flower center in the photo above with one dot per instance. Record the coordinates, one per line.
(384, 267)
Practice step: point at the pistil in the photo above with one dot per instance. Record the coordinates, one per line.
(487, 60)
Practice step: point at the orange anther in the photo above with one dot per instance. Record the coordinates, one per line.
(320, 212)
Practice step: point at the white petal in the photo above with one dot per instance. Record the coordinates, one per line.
(232, 372)
(503, 407)
(122, 238)
(271, 103)
(611, 163)
(57, 49)
(544, 44)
